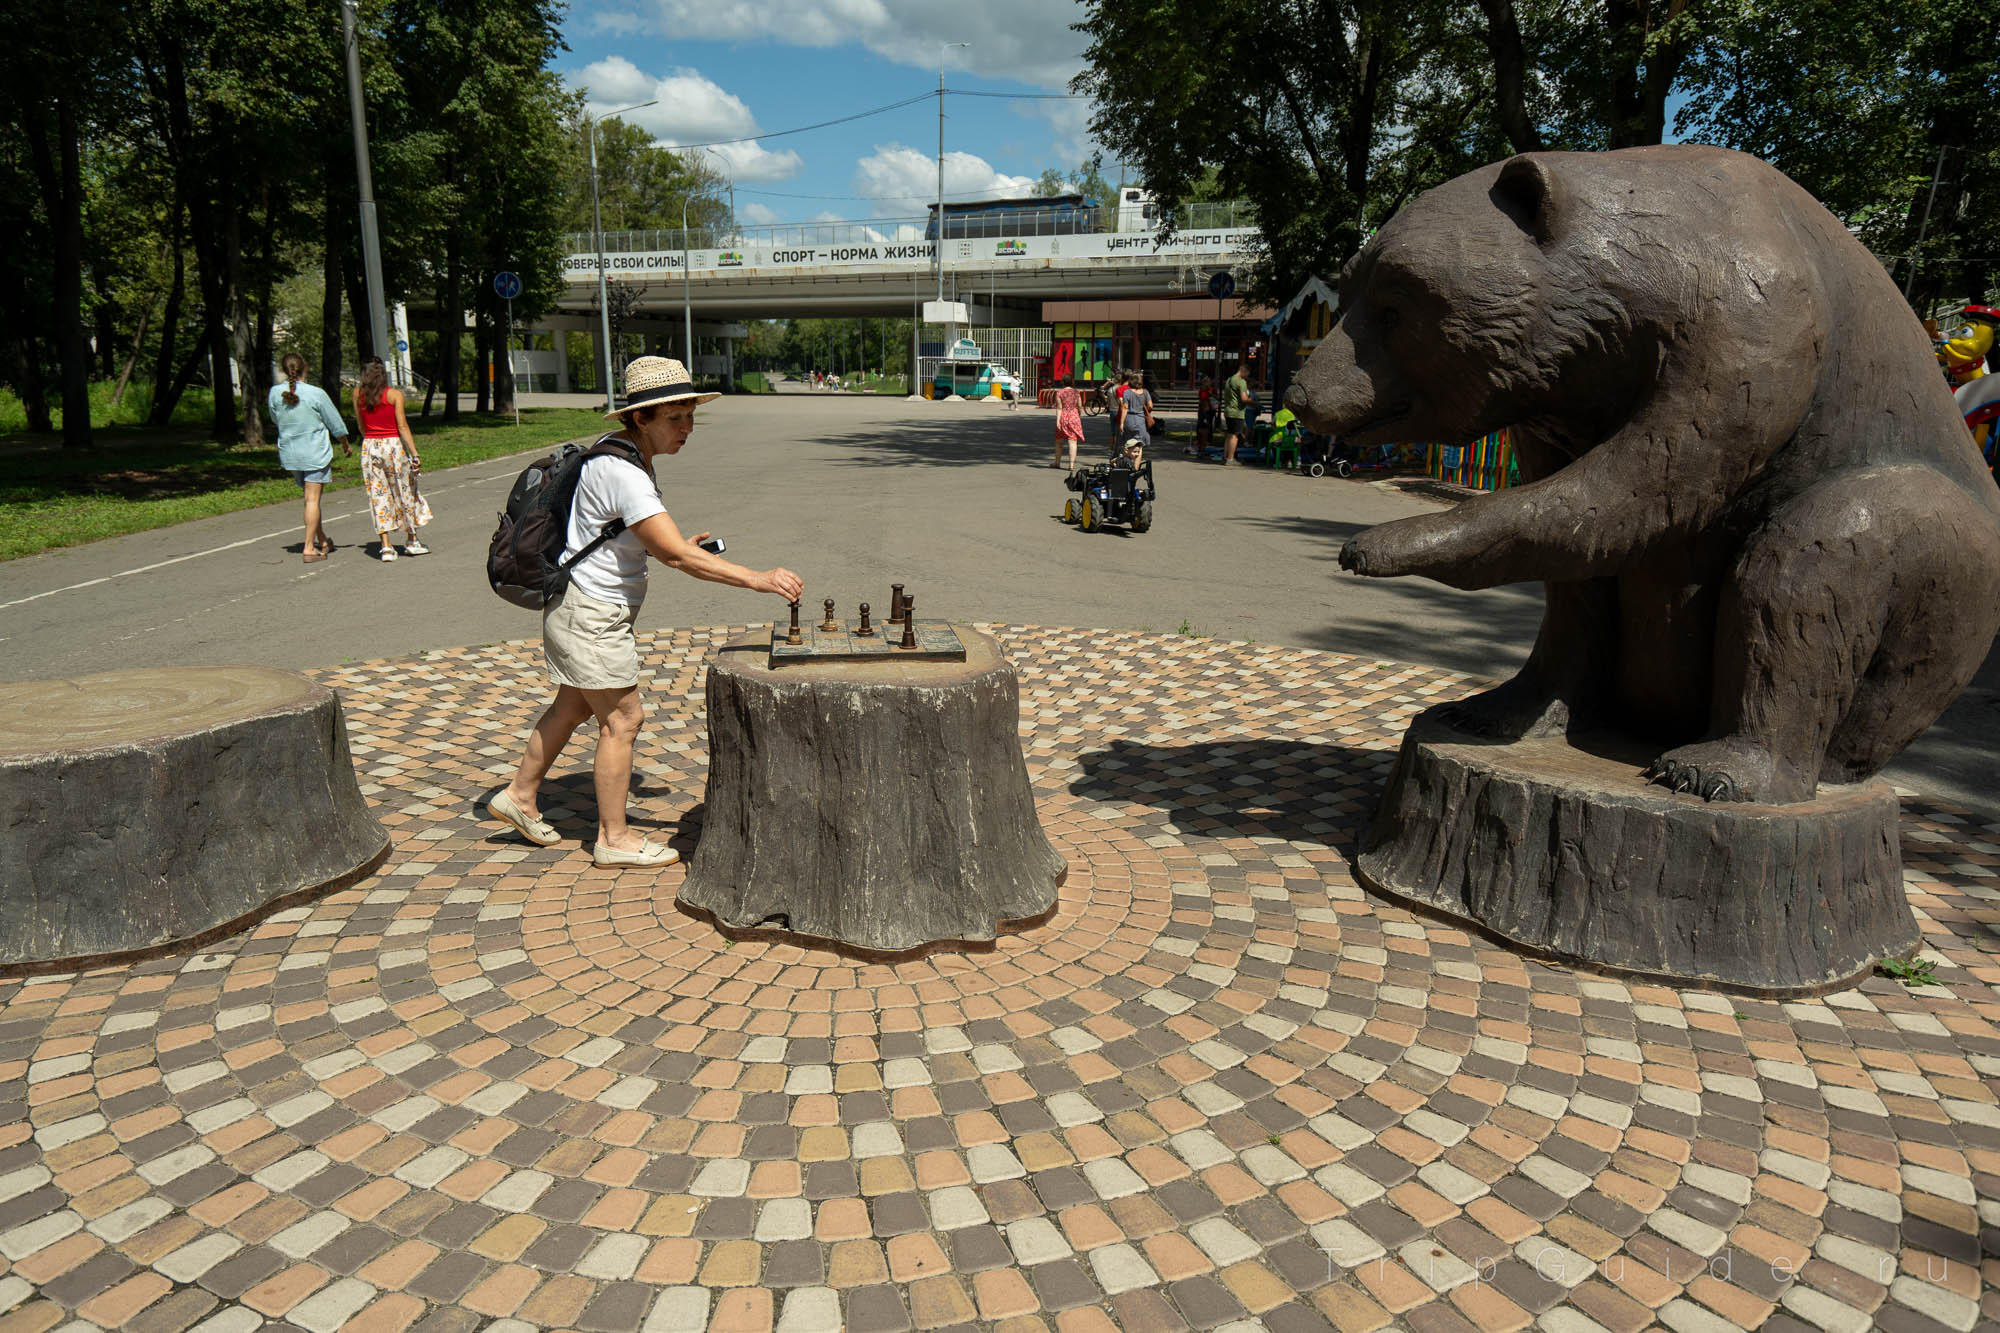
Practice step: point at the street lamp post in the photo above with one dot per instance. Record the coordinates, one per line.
(371, 245)
(687, 297)
(952, 334)
(597, 225)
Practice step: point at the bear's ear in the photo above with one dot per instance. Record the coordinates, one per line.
(1526, 192)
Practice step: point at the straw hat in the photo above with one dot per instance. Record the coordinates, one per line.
(658, 379)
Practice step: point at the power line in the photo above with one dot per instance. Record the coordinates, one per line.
(804, 129)
(1020, 97)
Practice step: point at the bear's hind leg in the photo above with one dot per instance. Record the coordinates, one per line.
(1852, 617)
(1566, 677)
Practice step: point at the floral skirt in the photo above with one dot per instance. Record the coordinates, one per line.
(393, 497)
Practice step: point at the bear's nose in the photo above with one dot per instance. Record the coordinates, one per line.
(1297, 399)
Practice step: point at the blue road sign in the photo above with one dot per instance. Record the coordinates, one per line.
(506, 286)
(1222, 286)
(402, 344)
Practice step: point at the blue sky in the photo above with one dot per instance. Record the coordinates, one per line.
(726, 69)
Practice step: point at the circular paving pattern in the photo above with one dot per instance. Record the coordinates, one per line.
(1221, 1087)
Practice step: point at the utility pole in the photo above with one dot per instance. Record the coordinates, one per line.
(371, 243)
(951, 335)
(597, 225)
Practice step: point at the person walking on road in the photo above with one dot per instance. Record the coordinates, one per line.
(1135, 414)
(308, 424)
(587, 632)
(389, 461)
(1069, 422)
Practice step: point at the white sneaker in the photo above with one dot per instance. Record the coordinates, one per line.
(415, 547)
(387, 553)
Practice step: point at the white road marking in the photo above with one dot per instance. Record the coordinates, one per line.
(217, 550)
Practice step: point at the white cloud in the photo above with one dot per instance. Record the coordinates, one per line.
(688, 109)
(757, 215)
(1029, 41)
(897, 179)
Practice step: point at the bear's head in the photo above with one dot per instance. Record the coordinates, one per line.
(1458, 317)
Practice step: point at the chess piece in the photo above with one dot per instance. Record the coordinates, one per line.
(792, 635)
(895, 603)
(864, 632)
(909, 623)
(829, 625)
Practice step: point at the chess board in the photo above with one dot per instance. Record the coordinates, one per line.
(937, 641)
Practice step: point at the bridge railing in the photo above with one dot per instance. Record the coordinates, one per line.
(1214, 216)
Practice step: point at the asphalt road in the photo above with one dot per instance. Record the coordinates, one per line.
(853, 493)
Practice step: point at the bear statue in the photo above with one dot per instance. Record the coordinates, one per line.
(1768, 546)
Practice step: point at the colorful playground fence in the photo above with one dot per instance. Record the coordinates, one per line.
(1484, 465)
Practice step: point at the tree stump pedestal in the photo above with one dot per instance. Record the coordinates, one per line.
(1560, 845)
(881, 804)
(143, 809)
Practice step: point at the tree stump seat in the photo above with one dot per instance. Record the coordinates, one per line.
(143, 809)
(881, 805)
(1560, 845)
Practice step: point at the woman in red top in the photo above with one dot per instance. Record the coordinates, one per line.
(1069, 422)
(389, 462)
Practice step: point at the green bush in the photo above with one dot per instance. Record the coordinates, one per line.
(195, 408)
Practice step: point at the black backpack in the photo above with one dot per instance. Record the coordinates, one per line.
(524, 561)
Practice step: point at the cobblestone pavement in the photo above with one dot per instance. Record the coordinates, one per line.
(492, 1086)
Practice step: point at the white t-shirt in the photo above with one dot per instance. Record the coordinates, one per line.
(616, 571)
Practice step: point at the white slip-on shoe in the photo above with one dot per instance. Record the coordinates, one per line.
(650, 855)
(415, 547)
(538, 831)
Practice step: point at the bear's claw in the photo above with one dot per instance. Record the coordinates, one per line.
(1710, 785)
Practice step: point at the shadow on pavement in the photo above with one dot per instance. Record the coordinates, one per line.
(1301, 791)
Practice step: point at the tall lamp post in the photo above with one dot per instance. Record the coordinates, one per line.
(943, 47)
(687, 297)
(597, 225)
(371, 244)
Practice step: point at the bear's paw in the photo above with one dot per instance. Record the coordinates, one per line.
(1731, 769)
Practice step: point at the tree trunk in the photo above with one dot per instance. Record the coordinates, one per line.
(1503, 40)
(451, 322)
(61, 178)
(329, 307)
(482, 346)
(138, 341)
(503, 377)
(164, 398)
(242, 329)
(357, 302)
(34, 394)
(25, 349)
(261, 353)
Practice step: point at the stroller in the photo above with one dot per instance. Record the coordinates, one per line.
(1111, 495)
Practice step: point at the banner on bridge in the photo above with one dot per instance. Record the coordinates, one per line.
(905, 254)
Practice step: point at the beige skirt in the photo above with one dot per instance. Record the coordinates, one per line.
(590, 644)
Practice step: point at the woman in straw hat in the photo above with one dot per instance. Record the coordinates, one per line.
(587, 632)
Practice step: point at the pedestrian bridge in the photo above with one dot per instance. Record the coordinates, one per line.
(889, 266)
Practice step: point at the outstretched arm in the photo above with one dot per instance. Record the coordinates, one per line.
(663, 541)
(1669, 473)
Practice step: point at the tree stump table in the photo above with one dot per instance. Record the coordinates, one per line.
(879, 804)
(142, 809)
(1559, 844)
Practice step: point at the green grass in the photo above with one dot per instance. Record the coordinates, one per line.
(753, 381)
(1911, 972)
(140, 479)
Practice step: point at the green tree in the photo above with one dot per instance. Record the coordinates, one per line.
(1330, 114)
(640, 184)
(1864, 105)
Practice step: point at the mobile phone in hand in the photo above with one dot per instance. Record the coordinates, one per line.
(713, 546)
